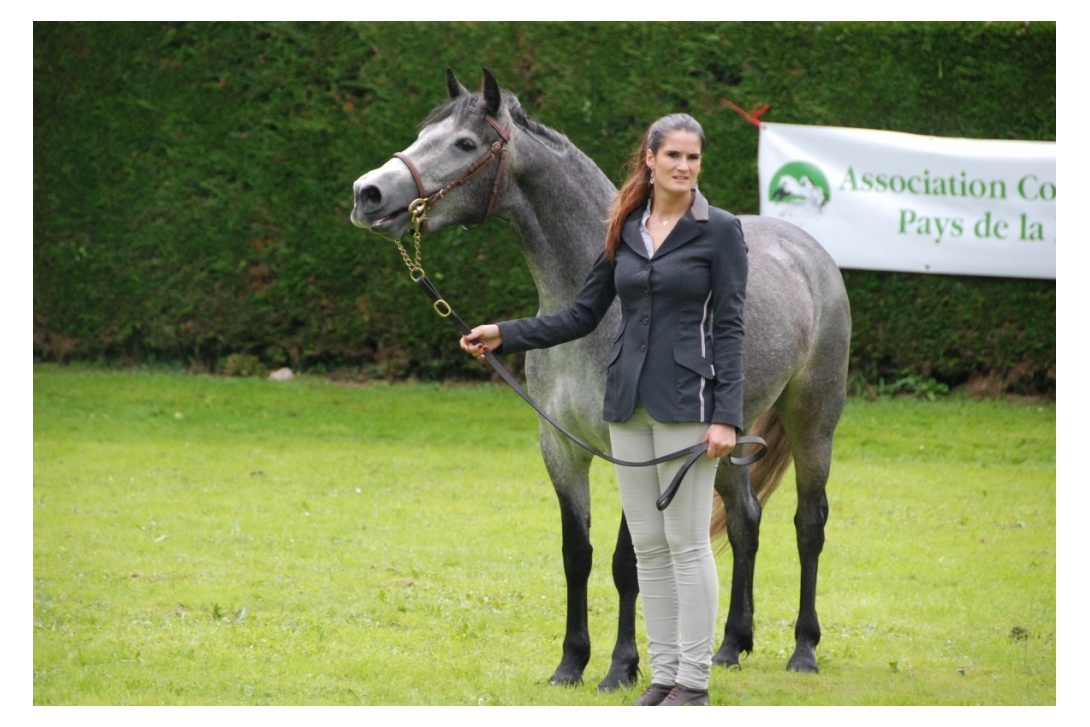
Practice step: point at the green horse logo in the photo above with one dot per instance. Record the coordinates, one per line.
(799, 184)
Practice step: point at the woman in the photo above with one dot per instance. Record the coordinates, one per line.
(674, 378)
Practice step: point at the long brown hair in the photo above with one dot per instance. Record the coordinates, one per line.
(637, 187)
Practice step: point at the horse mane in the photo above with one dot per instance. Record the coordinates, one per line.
(473, 104)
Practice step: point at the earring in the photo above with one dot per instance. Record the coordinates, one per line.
(651, 181)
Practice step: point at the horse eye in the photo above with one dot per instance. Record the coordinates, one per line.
(465, 144)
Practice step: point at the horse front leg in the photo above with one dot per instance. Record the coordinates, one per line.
(743, 530)
(624, 665)
(572, 486)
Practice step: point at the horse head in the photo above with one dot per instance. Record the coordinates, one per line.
(456, 164)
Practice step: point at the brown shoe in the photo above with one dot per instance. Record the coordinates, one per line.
(682, 696)
(653, 696)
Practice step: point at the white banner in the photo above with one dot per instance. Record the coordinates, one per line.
(882, 200)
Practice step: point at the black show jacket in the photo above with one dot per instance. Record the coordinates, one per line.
(679, 350)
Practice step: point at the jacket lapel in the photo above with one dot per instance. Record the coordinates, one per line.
(630, 233)
(688, 227)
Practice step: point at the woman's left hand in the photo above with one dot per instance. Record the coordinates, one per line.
(721, 439)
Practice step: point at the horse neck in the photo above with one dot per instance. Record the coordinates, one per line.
(557, 204)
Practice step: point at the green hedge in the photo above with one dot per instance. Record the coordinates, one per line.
(192, 181)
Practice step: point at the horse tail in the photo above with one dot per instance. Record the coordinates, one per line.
(764, 474)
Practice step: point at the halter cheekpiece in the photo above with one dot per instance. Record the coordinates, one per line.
(498, 149)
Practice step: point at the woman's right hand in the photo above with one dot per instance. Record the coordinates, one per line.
(482, 339)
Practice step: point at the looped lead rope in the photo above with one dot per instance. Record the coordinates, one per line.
(690, 453)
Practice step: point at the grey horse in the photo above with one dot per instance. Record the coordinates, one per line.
(798, 329)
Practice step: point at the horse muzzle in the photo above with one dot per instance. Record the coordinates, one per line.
(373, 209)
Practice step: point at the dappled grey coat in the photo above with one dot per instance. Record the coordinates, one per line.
(679, 349)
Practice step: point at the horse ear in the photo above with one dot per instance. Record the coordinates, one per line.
(492, 93)
(454, 87)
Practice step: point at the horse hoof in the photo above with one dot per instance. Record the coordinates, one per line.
(730, 661)
(570, 672)
(561, 679)
(729, 656)
(803, 662)
(613, 682)
(560, 682)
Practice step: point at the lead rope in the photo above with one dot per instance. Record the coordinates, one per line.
(419, 211)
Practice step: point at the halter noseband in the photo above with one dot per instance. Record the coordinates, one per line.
(426, 199)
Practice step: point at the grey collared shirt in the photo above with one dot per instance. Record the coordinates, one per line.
(645, 233)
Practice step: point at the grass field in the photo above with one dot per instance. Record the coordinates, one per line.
(214, 541)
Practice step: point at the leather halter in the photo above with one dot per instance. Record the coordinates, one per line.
(498, 148)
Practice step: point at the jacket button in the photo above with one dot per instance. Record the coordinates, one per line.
(643, 347)
(645, 320)
(646, 292)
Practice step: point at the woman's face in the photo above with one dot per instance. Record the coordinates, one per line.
(676, 164)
